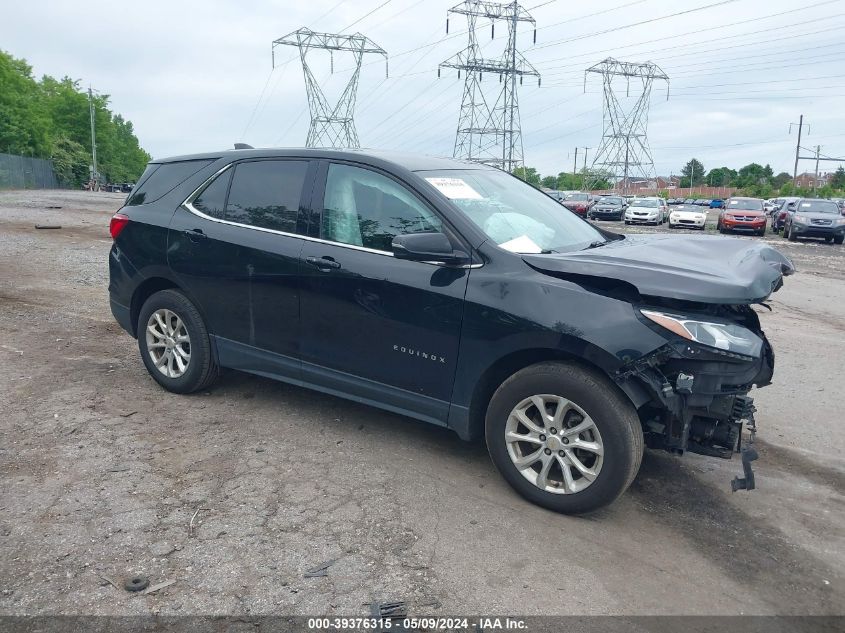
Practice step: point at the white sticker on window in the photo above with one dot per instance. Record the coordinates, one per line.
(805, 204)
(734, 201)
(521, 244)
(455, 189)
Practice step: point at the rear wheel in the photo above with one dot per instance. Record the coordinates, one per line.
(174, 343)
(564, 437)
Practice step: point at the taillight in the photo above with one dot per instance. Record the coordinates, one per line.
(118, 222)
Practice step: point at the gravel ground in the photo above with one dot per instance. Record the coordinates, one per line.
(235, 493)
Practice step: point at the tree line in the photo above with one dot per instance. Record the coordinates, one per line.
(755, 180)
(49, 118)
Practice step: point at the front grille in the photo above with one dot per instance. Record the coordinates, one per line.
(746, 218)
(820, 222)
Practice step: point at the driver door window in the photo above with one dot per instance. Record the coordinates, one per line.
(364, 208)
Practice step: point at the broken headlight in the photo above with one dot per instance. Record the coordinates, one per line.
(722, 335)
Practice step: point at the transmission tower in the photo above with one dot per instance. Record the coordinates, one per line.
(330, 126)
(624, 153)
(489, 129)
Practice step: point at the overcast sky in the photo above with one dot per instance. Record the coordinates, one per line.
(195, 76)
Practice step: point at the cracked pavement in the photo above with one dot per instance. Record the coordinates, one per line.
(237, 492)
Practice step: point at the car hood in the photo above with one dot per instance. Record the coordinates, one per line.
(817, 215)
(705, 269)
(754, 212)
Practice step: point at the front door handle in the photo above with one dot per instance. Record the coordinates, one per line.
(323, 263)
(195, 235)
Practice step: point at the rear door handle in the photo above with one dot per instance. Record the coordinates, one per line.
(323, 263)
(195, 235)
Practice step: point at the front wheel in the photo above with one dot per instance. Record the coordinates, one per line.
(792, 237)
(838, 239)
(564, 437)
(174, 343)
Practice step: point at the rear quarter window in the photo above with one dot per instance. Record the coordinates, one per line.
(161, 178)
(266, 194)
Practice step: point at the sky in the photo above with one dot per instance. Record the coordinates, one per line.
(197, 76)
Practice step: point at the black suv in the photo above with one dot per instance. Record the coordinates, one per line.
(449, 292)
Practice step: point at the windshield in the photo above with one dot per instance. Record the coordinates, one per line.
(578, 197)
(610, 200)
(644, 203)
(512, 213)
(745, 204)
(818, 206)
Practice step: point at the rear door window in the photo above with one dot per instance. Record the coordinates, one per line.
(212, 199)
(267, 194)
(160, 179)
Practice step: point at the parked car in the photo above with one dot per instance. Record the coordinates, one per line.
(779, 216)
(742, 214)
(702, 202)
(717, 203)
(579, 203)
(455, 294)
(770, 205)
(608, 208)
(646, 211)
(814, 217)
(689, 201)
(688, 216)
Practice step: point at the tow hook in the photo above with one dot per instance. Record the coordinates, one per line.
(747, 482)
(749, 454)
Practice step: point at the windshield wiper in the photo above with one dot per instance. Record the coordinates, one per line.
(596, 244)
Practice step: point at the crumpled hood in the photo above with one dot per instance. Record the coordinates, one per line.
(705, 269)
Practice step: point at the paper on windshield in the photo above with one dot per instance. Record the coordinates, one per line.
(455, 189)
(805, 204)
(521, 244)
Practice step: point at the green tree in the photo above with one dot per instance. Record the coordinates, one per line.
(528, 174)
(753, 175)
(837, 181)
(720, 177)
(781, 179)
(692, 173)
(549, 182)
(50, 119)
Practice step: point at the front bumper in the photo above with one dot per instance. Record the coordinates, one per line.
(812, 230)
(606, 214)
(740, 225)
(642, 219)
(691, 222)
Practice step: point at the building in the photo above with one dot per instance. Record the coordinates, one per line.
(808, 180)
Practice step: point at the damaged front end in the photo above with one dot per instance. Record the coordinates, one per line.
(692, 393)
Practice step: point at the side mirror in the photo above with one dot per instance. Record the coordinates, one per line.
(427, 247)
(790, 206)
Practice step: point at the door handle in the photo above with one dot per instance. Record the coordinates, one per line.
(195, 235)
(323, 263)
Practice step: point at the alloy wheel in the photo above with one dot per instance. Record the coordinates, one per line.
(554, 444)
(168, 343)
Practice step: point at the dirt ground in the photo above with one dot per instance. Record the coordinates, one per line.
(235, 493)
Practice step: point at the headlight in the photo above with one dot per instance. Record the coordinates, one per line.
(839, 221)
(800, 218)
(728, 216)
(723, 335)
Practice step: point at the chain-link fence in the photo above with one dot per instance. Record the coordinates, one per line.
(25, 172)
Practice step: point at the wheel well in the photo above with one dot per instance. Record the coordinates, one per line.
(143, 292)
(504, 368)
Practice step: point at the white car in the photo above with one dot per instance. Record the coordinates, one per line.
(646, 211)
(689, 216)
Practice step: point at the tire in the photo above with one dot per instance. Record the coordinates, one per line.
(200, 370)
(615, 427)
(792, 237)
(838, 239)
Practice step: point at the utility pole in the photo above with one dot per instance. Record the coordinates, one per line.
(816, 179)
(800, 125)
(95, 176)
(575, 164)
